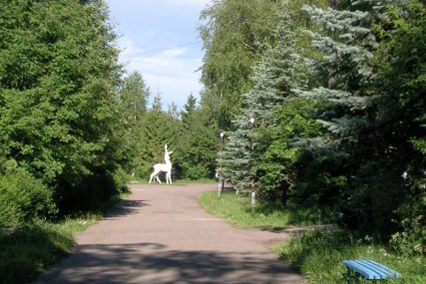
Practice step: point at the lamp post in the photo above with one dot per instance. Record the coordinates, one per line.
(332, 72)
(253, 189)
(221, 181)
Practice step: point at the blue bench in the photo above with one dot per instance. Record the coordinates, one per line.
(371, 270)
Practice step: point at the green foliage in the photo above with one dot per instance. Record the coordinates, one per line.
(236, 34)
(233, 33)
(133, 94)
(198, 146)
(58, 106)
(412, 240)
(370, 124)
(319, 256)
(319, 180)
(196, 172)
(261, 151)
(188, 112)
(281, 163)
(23, 198)
(402, 72)
(341, 126)
(121, 178)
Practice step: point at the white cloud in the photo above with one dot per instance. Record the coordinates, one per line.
(156, 25)
(168, 70)
(128, 48)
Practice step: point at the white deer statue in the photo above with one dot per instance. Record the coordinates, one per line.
(166, 168)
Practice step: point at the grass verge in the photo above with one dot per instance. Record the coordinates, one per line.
(318, 256)
(238, 211)
(32, 248)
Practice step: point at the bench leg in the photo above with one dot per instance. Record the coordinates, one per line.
(348, 275)
(357, 277)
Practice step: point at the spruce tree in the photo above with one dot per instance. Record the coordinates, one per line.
(347, 44)
(280, 71)
(198, 143)
(365, 124)
(157, 104)
(188, 110)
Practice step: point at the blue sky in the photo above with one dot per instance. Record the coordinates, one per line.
(145, 26)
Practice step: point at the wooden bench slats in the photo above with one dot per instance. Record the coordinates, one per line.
(384, 271)
(371, 270)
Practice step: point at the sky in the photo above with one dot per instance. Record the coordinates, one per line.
(159, 38)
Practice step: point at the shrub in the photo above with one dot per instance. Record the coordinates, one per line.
(195, 172)
(412, 240)
(121, 178)
(23, 198)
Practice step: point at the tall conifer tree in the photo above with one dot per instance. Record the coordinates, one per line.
(280, 71)
(359, 113)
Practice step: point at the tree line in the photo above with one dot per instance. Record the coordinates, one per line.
(73, 125)
(323, 103)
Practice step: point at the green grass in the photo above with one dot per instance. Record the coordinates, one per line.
(238, 211)
(319, 255)
(32, 248)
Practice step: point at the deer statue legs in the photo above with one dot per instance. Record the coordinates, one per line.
(155, 175)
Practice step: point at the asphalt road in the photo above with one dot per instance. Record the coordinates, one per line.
(160, 234)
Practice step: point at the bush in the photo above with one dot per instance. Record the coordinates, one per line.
(23, 198)
(195, 172)
(121, 178)
(88, 194)
(412, 240)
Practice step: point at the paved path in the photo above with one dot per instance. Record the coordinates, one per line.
(161, 235)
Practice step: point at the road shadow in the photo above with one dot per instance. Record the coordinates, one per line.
(125, 207)
(153, 263)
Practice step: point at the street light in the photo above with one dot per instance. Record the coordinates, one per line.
(221, 181)
(253, 189)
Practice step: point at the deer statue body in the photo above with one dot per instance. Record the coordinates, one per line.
(165, 168)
